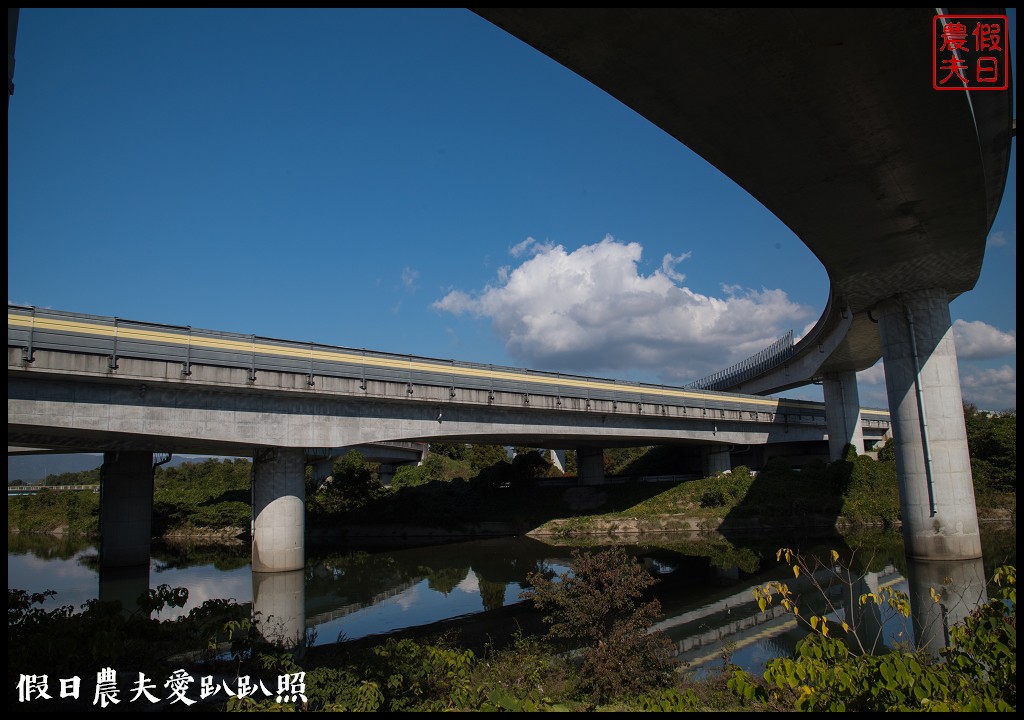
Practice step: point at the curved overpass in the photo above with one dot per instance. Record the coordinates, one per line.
(826, 117)
(829, 119)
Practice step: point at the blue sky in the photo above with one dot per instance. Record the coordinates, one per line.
(406, 180)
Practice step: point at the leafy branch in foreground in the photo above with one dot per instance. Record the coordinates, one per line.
(977, 670)
(835, 589)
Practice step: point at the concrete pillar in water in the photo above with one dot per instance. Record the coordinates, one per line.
(126, 508)
(715, 459)
(279, 605)
(278, 510)
(842, 413)
(590, 465)
(940, 518)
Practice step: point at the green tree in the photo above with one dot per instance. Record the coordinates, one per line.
(455, 451)
(887, 453)
(435, 468)
(992, 442)
(483, 456)
(528, 467)
(599, 608)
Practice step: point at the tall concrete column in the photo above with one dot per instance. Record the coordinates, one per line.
(557, 458)
(590, 465)
(278, 510)
(940, 519)
(126, 508)
(842, 413)
(715, 459)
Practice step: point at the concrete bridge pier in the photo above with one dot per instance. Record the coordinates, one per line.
(386, 473)
(940, 518)
(715, 459)
(590, 465)
(126, 508)
(557, 458)
(321, 469)
(278, 510)
(842, 413)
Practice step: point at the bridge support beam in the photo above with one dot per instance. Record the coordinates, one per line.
(590, 465)
(842, 413)
(940, 519)
(278, 510)
(715, 459)
(126, 508)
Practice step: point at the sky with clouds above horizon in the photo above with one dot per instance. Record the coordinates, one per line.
(407, 180)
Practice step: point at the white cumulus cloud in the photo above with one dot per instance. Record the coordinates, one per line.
(590, 310)
(977, 340)
(991, 389)
(874, 375)
(409, 278)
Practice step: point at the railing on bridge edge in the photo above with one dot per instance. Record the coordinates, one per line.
(772, 356)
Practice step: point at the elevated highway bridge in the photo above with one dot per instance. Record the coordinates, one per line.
(827, 117)
(130, 388)
(79, 382)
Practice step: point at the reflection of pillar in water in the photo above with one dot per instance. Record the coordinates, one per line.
(125, 585)
(279, 606)
(865, 619)
(960, 585)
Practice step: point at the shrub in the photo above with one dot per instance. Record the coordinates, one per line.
(598, 609)
(834, 670)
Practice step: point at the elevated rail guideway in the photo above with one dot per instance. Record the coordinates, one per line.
(128, 388)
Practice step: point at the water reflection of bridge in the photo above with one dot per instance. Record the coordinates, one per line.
(735, 621)
(707, 610)
(337, 613)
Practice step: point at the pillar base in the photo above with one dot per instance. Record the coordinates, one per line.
(126, 508)
(279, 510)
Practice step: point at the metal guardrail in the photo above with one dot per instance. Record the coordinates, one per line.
(772, 356)
(29, 489)
(32, 330)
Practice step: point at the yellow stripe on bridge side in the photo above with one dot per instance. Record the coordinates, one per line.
(134, 333)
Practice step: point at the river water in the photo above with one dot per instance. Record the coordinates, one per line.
(705, 585)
